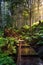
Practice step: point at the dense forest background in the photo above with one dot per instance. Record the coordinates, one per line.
(18, 13)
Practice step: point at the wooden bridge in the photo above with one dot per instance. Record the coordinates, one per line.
(26, 54)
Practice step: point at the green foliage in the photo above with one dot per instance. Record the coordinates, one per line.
(40, 43)
(25, 14)
(13, 40)
(25, 30)
(27, 38)
(7, 47)
(37, 28)
(37, 37)
(26, 27)
(24, 33)
(3, 41)
(1, 33)
(6, 60)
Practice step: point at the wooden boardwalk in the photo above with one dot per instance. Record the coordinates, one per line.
(25, 58)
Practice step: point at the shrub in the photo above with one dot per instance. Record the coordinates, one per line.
(6, 60)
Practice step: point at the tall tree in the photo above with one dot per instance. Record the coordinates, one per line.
(38, 9)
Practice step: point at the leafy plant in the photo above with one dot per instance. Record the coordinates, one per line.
(6, 60)
(7, 47)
